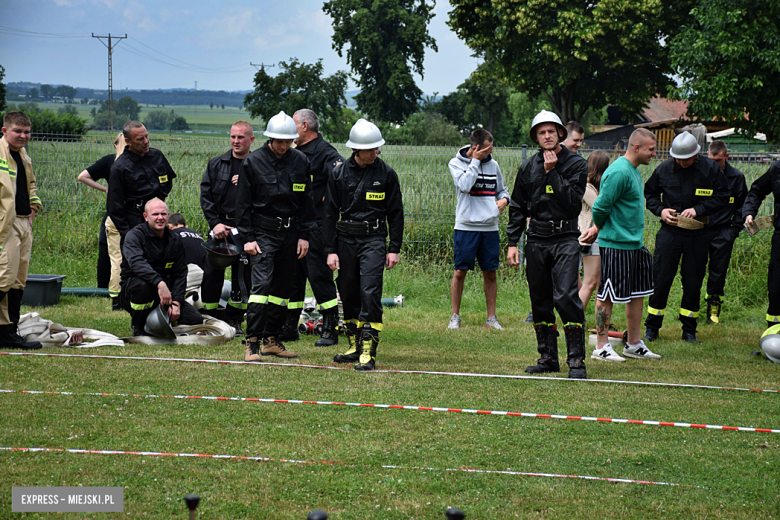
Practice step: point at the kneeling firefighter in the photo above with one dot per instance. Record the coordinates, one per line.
(363, 207)
(548, 190)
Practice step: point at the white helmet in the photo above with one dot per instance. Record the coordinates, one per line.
(281, 126)
(545, 116)
(684, 146)
(770, 343)
(365, 136)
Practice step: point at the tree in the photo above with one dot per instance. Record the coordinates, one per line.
(223, 106)
(32, 93)
(156, 120)
(386, 41)
(68, 109)
(297, 86)
(2, 90)
(48, 92)
(577, 54)
(66, 93)
(728, 61)
(211, 106)
(125, 109)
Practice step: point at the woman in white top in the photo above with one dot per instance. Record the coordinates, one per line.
(591, 261)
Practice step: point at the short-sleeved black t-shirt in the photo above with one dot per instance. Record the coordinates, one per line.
(23, 207)
(102, 168)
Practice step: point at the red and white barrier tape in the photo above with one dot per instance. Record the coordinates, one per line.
(380, 371)
(416, 408)
(268, 459)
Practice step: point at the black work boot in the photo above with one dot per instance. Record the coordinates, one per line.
(713, 310)
(10, 338)
(370, 340)
(329, 335)
(290, 328)
(690, 337)
(355, 340)
(575, 347)
(651, 334)
(115, 304)
(547, 346)
(236, 324)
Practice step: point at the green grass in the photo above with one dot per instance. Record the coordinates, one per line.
(724, 474)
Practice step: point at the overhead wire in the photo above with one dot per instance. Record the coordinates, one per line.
(35, 34)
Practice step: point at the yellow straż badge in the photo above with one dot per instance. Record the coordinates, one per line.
(375, 196)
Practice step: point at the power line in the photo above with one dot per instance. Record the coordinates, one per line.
(110, 47)
(184, 62)
(36, 34)
(138, 52)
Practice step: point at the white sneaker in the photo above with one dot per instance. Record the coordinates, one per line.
(639, 351)
(492, 322)
(607, 353)
(454, 322)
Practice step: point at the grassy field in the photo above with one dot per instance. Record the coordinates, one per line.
(344, 452)
(216, 119)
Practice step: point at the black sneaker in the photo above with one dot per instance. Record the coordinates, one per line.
(530, 318)
(543, 368)
(577, 373)
(690, 337)
(651, 334)
(236, 324)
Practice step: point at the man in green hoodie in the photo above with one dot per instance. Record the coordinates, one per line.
(626, 264)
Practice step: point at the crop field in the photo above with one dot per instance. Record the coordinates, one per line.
(462, 427)
(207, 119)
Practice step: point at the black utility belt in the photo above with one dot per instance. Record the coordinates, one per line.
(277, 223)
(227, 216)
(548, 228)
(361, 228)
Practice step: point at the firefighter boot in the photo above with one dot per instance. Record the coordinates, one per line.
(329, 335)
(252, 353)
(290, 328)
(547, 346)
(274, 347)
(10, 338)
(713, 310)
(575, 346)
(370, 339)
(355, 340)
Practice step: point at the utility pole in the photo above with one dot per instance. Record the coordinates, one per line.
(196, 107)
(261, 65)
(110, 45)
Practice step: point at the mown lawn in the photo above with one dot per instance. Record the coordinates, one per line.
(345, 450)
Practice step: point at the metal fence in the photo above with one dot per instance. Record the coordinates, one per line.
(72, 211)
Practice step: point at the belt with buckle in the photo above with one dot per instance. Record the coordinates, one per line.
(548, 228)
(277, 223)
(360, 228)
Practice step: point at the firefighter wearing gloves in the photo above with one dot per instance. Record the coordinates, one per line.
(139, 175)
(548, 190)
(725, 224)
(274, 216)
(322, 159)
(692, 188)
(363, 207)
(218, 192)
(761, 187)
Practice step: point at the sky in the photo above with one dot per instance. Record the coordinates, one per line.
(173, 43)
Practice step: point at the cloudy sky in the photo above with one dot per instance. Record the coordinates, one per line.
(173, 43)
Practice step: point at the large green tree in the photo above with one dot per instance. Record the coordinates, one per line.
(728, 59)
(298, 85)
(386, 42)
(125, 109)
(577, 54)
